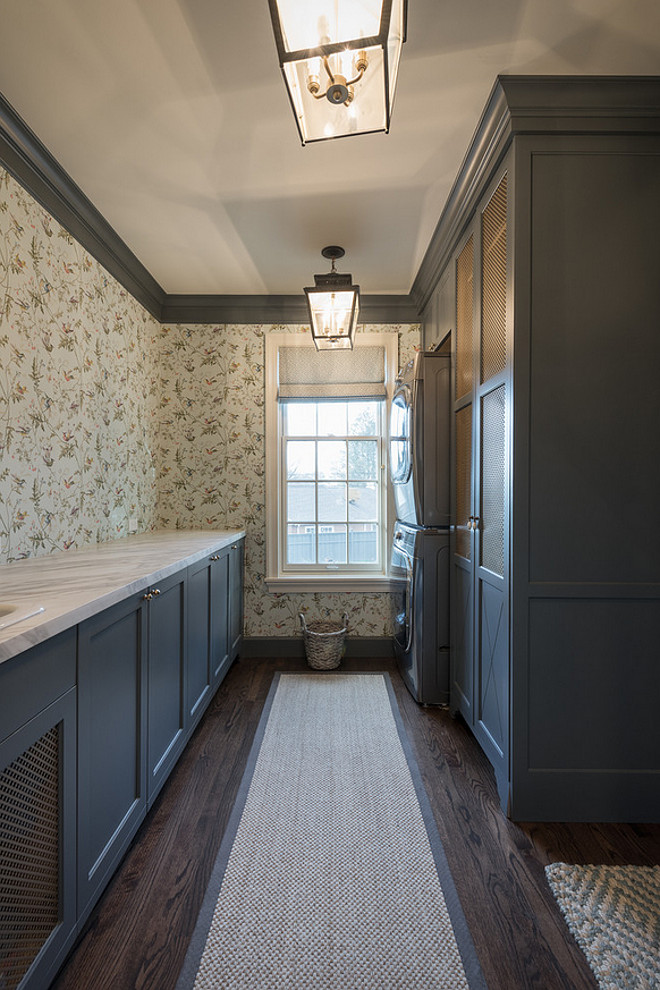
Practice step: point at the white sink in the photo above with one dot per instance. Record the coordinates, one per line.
(11, 614)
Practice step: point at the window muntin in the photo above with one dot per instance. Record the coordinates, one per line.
(332, 491)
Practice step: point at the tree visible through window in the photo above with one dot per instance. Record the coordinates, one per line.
(332, 479)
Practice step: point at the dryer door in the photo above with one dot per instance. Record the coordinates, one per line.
(401, 443)
(400, 437)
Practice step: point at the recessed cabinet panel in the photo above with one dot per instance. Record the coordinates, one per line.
(219, 599)
(112, 696)
(166, 714)
(494, 283)
(595, 355)
(198, 673)
(464, 319)
(493, 467)
(235, 599)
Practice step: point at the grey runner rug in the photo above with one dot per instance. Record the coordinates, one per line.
(614, 914)
(332, 874)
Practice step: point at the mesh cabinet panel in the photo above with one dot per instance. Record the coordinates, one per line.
(464, 319)
(463, 481)
(493, 285)
(493, 458)
(29, 855)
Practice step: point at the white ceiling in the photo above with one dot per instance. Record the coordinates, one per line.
(172, 117)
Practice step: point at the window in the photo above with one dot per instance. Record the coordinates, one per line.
(328, 509)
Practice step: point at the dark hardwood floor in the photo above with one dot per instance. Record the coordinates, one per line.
(138, 934)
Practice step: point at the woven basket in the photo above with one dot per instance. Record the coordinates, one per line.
(324, 642)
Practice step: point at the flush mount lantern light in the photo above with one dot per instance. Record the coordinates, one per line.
(340, 60)
(334, 305)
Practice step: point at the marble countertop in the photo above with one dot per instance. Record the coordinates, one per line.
(74, 584)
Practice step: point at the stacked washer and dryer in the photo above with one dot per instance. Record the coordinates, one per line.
(419, 448)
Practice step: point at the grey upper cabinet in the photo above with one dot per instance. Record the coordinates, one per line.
(112, 741)
(439, 317)
(37, 811)
(555, 592)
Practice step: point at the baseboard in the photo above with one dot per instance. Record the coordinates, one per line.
(292, 646)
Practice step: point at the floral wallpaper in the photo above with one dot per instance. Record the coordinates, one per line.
(107, 416)
(77, 390)
(211, 462)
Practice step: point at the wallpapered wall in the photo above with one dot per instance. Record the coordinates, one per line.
(211, 462)
(105, 415)
(78, 390)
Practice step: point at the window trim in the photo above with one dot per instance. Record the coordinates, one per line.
(277, 579)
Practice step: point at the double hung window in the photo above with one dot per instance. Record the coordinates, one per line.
(328, 511)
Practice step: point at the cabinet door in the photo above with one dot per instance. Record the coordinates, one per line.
(112, 711)
(491, 490)
(167, 653)
(220, 616)
(235, 599)
(198, 659)
(38, 844)
(480, 652)
(462, 584)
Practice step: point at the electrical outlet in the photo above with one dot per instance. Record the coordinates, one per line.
(132, 525)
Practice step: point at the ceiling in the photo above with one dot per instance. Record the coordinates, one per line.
(172, 117)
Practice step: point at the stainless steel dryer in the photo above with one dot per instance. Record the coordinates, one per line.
(420, 571)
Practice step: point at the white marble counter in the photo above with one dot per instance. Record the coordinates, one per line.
(74, 584)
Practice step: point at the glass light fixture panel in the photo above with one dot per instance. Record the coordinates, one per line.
(312, 23)
(318, 119)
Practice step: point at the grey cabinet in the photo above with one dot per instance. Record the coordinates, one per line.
(37, 811)
(439, 317)
(112, 741)
(215, 624)
(555, 592)
(482, 397)
(236, 570)
(167, 664)
(206, 646)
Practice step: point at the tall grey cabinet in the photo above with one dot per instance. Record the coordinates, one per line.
(549, 239)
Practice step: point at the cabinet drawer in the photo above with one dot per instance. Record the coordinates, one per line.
(33, 679)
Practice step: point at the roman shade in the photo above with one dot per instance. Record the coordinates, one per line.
(305, 373)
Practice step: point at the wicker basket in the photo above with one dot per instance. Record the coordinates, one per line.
(324, 642)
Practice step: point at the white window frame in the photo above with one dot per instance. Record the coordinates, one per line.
(277, 578)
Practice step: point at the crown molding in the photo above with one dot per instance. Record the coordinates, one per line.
(516, 105)
(534, 105)
(277, 309)
(31, 164)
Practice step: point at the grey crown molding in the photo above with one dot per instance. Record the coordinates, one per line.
(31, 164)
(533, 105)
(516, 105)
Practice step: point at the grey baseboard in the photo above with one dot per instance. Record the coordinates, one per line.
(292, 646)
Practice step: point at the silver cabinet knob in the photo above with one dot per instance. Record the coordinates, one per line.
(215, 556)
(156, 591)
(147, 597)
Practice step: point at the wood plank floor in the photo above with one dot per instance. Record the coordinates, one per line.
(137, 936)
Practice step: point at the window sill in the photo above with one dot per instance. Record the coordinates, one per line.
(324, 582)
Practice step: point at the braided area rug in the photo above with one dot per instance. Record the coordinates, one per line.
(614, 914)
(331, 875)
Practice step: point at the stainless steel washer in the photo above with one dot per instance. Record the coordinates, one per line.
(420, 571)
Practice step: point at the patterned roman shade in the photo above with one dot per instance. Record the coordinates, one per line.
(305, 373)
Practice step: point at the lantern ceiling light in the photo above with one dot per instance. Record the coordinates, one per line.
(340, 61)
(334, 306)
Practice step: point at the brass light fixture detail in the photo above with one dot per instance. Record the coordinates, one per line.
(340, 61)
